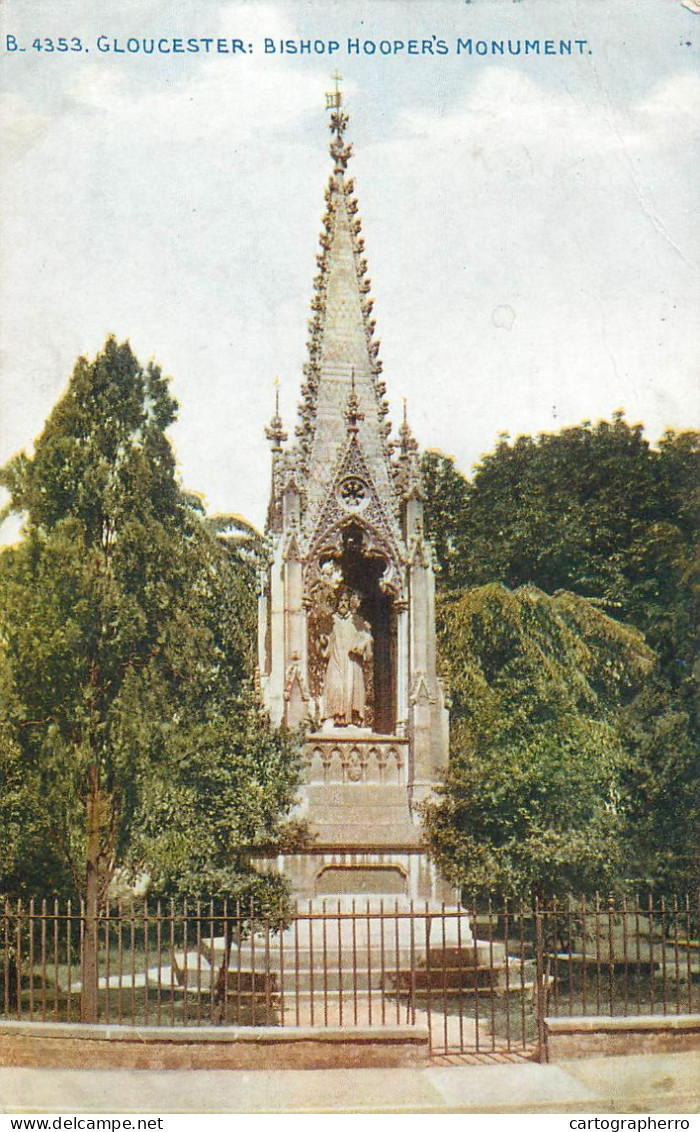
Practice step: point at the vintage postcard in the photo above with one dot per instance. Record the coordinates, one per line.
(369, 243)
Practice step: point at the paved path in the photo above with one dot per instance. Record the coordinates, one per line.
(655, 1084)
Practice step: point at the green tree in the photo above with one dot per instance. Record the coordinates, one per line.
(221, 801)
(592, 509)
(661, 790)
(446, 502)
(533, 797)
(597, 511)
(125, 645)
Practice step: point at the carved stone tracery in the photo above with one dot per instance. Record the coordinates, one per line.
(353, 498)
(353, 493)
(380, 762)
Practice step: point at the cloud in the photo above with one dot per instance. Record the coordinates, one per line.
(232, 96)
(572, 213)
(23, 126)
(668, 116)
(504, 108)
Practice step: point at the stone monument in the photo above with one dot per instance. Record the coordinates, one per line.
(347, 622)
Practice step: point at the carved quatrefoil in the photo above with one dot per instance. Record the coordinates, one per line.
(353, 493)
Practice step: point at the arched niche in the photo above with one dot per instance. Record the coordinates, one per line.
(352, 564)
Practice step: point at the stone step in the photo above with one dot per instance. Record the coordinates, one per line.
(194, 968)
(658, 956)
(366, 932)
(390, 982)
(263, 986)
(125, 981)
(357, 793)
(247, 958)
(363, 833)
(304, 968)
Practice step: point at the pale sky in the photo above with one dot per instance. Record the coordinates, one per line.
(531, 224)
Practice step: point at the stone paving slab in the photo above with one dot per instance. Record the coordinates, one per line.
(652, 1083)
(204, 1091)
(518, 1088)
(651, 1079)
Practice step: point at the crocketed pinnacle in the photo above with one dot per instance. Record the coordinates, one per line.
(408, 479)
(343, 351)
(407, 441)
(353, 416)
(274, 431)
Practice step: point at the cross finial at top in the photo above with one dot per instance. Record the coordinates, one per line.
(340, 152)
(334, 98)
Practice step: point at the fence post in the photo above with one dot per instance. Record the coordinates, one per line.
(540, 989)
(611, 955)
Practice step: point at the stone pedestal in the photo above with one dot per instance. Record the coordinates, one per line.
(365, 838)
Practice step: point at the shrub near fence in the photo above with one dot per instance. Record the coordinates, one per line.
(482, 978)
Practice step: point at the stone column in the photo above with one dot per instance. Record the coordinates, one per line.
(422, 691)
(294, 613)
(440, 730)
(296, 697)
(263, 604)
(402, 665)
(305, 607)
(275, 684)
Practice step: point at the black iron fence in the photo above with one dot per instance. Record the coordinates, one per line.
(481, 978)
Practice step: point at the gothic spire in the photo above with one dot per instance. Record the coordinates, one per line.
(343, 351)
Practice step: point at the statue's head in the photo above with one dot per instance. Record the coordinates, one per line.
(343, 603)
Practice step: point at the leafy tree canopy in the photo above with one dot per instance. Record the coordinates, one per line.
(594, 510)
(661, 786)
(125, 637)
(533, 800)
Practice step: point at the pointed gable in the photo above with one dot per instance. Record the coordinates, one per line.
(352, 497)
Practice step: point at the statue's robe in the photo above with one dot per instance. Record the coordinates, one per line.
(349, 646)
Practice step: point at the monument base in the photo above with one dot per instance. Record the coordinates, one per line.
(365, 839)
(333, 872)
(356, 792)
